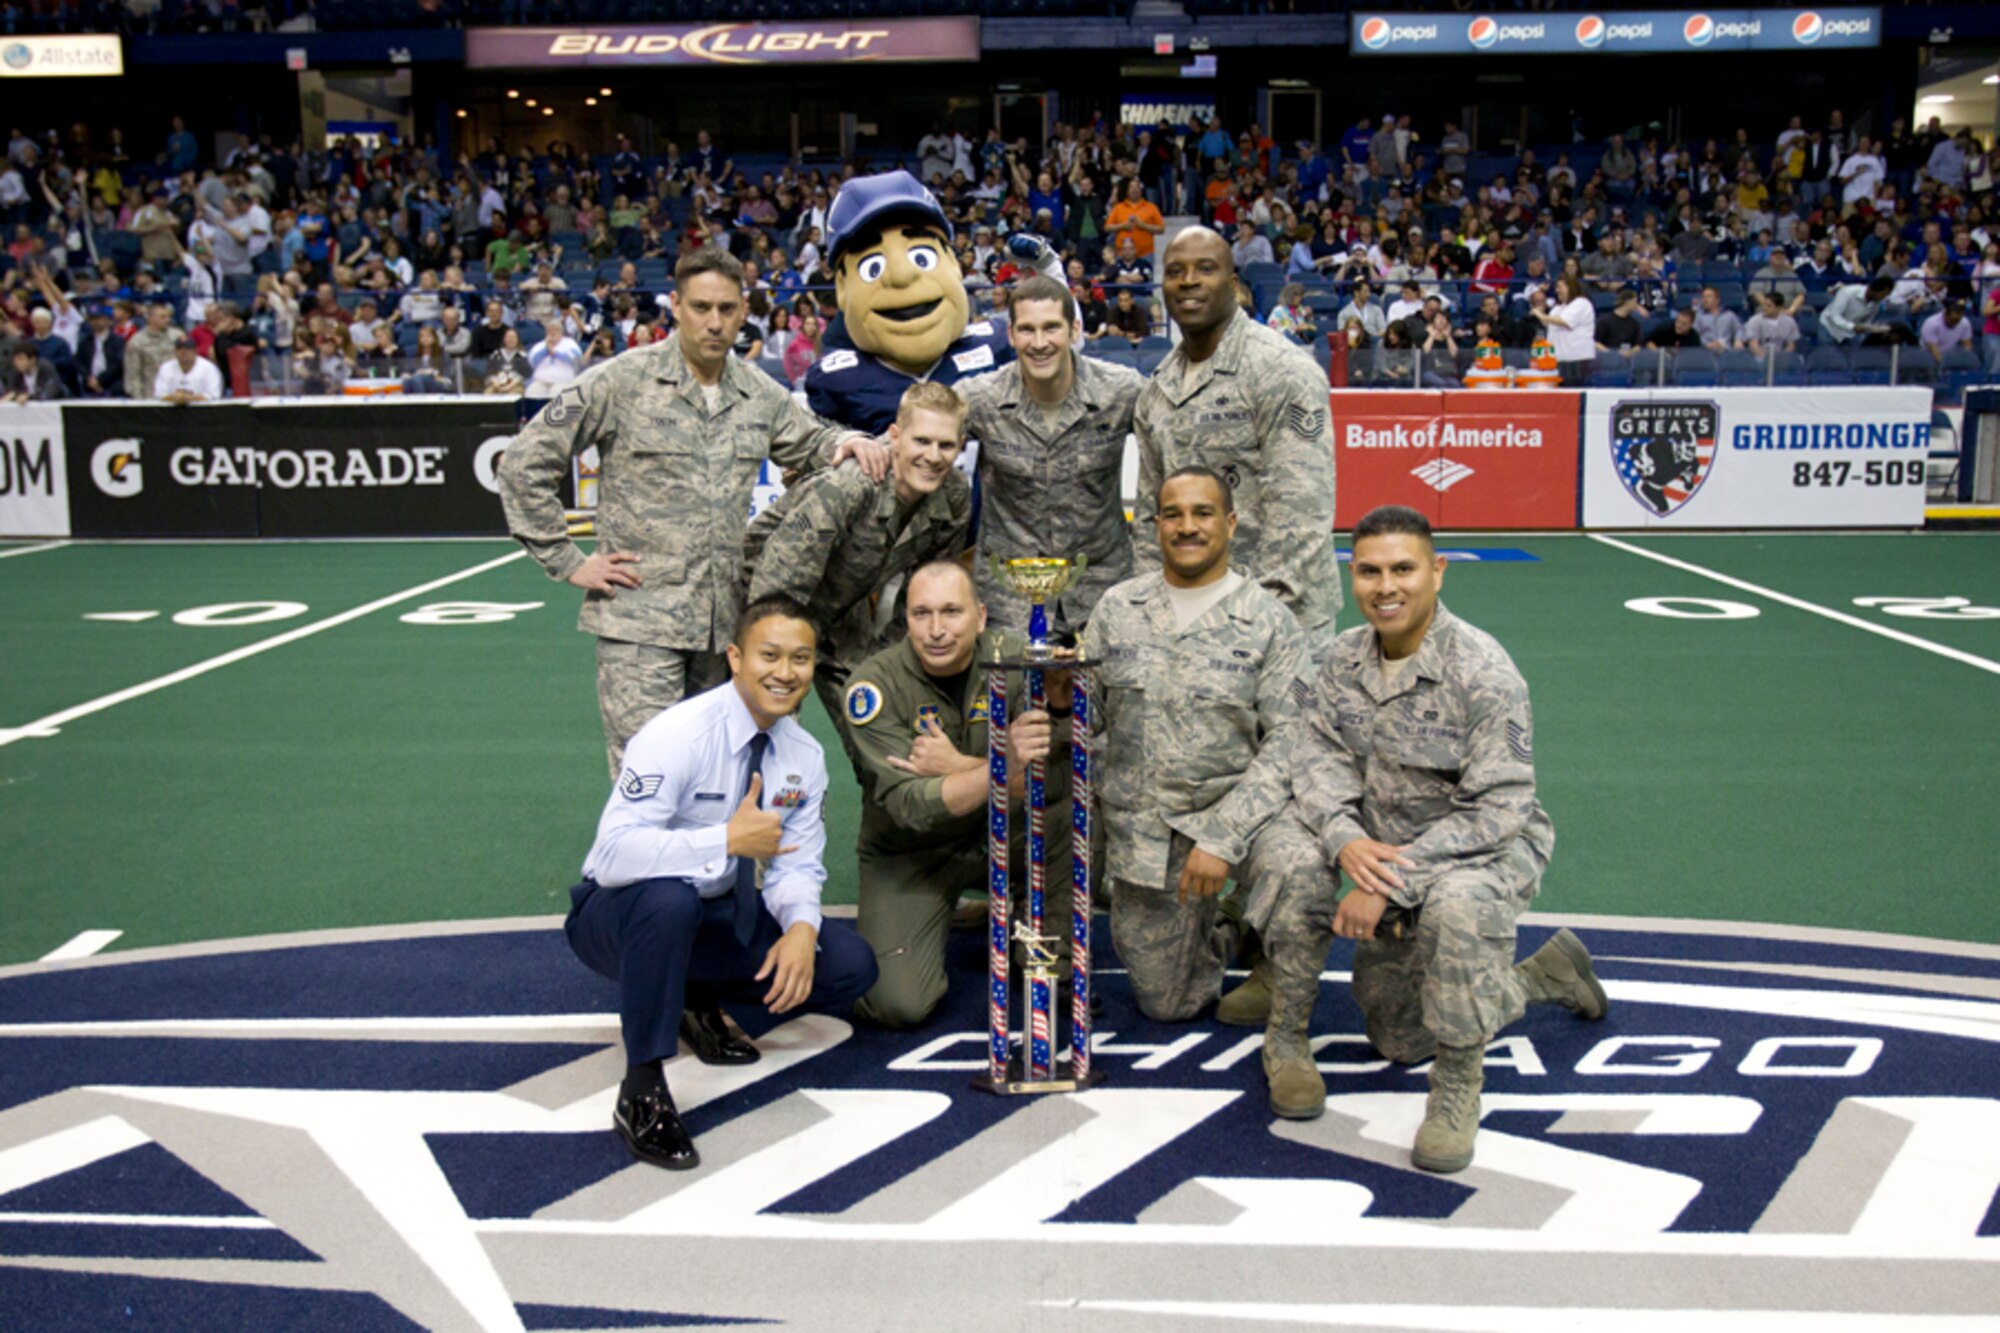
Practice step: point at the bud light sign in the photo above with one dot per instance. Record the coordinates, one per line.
(1649, 31)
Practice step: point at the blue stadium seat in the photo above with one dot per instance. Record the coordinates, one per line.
(1696, 367)
(1961, 370)
(775, 368)
(1740, 369)
(1808, 322)
(1155, 342)
(1870, 365)
(1653, 367)
(1791, 370)
(1733, 294)
(1916, 366)
(530, 331)
(1828, 365)
(1611, 371)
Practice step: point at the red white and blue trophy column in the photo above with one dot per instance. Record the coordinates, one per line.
(1036, 1068)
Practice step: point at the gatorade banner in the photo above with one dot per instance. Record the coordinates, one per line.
(1465, 459)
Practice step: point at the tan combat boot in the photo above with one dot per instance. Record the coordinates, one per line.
(1560, 973)
(1297, 1090)
(1249, 1005)
(1451, 1113)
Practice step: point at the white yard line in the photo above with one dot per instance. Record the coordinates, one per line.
(30, 550)
(48, 726)
(1800, 604)
(83, 946)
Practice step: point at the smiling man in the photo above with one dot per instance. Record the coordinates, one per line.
(1051, 429)
(681, 430)
(1250, 403)
(916, 715)
(1416, 776)
(835, 540)
(1202, 672)
(669, 906)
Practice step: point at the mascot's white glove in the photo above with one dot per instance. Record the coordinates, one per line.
(1032, 252)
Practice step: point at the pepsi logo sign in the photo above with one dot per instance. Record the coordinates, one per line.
(1590, 31)
(1375, 33)
(1699, 30)
(1483, 32)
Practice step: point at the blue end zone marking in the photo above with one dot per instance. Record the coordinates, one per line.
(1491, 555)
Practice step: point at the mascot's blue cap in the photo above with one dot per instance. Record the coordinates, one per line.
(868, 203)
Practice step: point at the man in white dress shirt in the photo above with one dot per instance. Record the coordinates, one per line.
(669, 906)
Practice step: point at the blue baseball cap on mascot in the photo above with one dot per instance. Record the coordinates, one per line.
(868, 203)
(901, 294)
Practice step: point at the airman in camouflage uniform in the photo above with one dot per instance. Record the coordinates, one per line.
(1200, 682)
(1051, 427)
(834, 541)
(923, 832)
(1250, 403)
(1415, 773)
(677, 460)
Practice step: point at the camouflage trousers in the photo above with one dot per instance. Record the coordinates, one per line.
(1452, 982)
(1170, 948)
(637, 681)
(1291, 908)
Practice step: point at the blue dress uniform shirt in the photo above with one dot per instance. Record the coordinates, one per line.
(684, 776)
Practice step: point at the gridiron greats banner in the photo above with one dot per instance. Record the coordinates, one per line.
(295, 469)
(1755, 458)
(34, 483)
(1463, 458)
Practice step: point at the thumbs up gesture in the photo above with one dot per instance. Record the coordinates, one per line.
(755, 832)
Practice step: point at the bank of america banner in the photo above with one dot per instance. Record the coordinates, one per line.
(880, 41)
(1644, 31)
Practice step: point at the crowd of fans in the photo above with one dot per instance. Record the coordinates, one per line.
(512, 269)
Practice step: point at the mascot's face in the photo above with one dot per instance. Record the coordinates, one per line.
(903, 297)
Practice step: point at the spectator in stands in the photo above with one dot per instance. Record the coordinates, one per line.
(541, 292)
(490, 336)
(453, 336)
(1571, 322)
(1290, 316)
(1855, 313)
(1252, 247)
(1778, 277)
(1772, 328)
(1136, 218)
(321, 365)
(182, 151)
(29, 379)
(1494, 270)
(157, 228)
(1362, 309)
(1680, 333)
(187, 377)
(1949, 159)
(1947, 329)
(1860, 173)
(1129, 318)
(1720, 329)
(1619, 329)
(150, 349)
(100, 356)
(804, 348)
(553, 362)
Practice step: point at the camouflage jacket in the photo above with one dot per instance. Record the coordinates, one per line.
(1443, 761)
(1052, 485)
(1256, 412)
(834, 539)
(1191, 722)
(674, 486)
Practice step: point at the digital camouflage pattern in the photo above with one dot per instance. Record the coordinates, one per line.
(637, 681)
(1256, 412)
(1443, 762)
(674, 486)
(832, 541)
(1052, 483)
(1191, 726)
(916, 857)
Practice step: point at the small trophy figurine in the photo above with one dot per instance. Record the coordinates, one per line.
(1038, 578)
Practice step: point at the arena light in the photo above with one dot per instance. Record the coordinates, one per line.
(604, 92)
(513, 92)
(590, 101)
(548, 111)
(1936, 99)
(531, 102)
(1991, 79)
(461, 113)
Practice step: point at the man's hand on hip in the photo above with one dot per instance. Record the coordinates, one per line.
(607, 571)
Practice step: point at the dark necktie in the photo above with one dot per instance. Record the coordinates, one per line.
(746, 867)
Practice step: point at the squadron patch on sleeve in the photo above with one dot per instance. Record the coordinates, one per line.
(1304, 695)
(1521, 742)
(864, 701)
(635, 788)
(1306, 422)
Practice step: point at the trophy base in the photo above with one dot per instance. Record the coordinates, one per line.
(1015, 1085)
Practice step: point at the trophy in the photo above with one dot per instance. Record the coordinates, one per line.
(1038, 580)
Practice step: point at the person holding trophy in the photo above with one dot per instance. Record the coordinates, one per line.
(916, 715)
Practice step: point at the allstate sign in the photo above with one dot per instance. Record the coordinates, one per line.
(1632, 32)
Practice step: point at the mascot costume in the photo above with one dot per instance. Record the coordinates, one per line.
(903, 307)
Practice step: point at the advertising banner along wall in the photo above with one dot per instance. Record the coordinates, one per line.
(1462, 458)
(875, 41)
(294, 469)
(34, 481)
(1634, 32)
(1755, 458)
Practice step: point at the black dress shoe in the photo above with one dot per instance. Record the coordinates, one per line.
(708, 1036)
(652, 1129)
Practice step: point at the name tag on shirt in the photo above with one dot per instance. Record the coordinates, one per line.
(710, 796)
